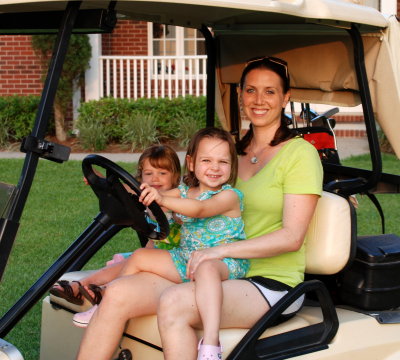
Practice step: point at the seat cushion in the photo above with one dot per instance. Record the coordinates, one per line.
(145, 327)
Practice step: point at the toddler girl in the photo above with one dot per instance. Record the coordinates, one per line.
(210, 210)
(158, 166)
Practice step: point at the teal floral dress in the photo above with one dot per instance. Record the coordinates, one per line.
(202, 233)
(174, 237)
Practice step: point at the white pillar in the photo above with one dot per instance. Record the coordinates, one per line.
(389, 7)
(76, 101)
(92, 78)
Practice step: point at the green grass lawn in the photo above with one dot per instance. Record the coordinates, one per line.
(60, 207)
(368, 220)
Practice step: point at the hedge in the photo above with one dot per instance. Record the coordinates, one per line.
(108, 120)
(17, 115)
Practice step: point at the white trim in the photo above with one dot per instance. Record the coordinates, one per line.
(92, 78)
(150, 39)
(183, 81)
(76, 101)
(388, 7)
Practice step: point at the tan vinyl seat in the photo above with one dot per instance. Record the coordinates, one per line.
(328, 249)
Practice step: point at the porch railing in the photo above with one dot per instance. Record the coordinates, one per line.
(152, 76)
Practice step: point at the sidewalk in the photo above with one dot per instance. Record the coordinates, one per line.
(120, 157)
(347, 147)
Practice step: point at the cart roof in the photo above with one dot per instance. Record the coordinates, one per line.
(213, 12)
(309, 34)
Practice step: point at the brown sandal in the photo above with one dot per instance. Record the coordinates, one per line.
(66, 292)
(97, 291)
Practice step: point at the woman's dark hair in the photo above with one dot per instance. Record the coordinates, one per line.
(279, 67)
(211, 133)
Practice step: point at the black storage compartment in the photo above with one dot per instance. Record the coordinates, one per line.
(373, 280)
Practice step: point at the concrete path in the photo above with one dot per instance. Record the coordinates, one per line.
(352, 146)
(121, 157)
(347, 147)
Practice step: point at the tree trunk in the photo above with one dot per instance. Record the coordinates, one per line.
(59, 118)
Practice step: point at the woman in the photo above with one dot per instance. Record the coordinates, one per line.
(281, 178)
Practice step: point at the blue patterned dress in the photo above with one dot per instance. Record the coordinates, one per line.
(202, 233)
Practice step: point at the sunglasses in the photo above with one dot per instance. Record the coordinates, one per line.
(272, 60)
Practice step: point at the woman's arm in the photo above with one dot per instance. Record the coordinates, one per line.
(297, 213)
(224, 203)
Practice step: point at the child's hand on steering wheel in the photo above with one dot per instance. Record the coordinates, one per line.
(149, 194)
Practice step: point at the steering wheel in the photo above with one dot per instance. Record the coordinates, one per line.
(118, 205)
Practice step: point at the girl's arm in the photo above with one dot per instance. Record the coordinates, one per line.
(297, 213)
(224, 203)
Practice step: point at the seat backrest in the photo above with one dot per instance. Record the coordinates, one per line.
(330, 236)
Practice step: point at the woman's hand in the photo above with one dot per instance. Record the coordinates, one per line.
(199, 256)
(149, 194)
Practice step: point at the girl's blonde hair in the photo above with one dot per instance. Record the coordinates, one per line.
(212, 133)
(162, 157)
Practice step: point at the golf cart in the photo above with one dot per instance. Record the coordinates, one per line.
(339, 54)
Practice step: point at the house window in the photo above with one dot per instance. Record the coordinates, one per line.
(175, 41)
(193, 42)
(163, 40)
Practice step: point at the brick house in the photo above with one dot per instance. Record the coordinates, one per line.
(117, 58)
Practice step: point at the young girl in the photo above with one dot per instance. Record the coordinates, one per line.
(158, 166)
(210, 209)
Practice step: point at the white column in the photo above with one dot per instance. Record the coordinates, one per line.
(76, 101)
(389, 7)
(92, 76)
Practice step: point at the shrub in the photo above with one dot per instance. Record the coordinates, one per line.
(76, 63)
(187, 125)
(93, 136)
(139, 130)
(125, 120)
(17, 115)
(99, 122)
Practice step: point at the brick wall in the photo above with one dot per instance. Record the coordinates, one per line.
(20, 69)
(128, 38)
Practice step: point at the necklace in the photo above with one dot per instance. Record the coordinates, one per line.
(254, 159)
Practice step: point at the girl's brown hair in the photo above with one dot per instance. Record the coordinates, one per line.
(279, 67)
(162, 157)
(213, 133)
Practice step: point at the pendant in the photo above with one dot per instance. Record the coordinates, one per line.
(254, 160)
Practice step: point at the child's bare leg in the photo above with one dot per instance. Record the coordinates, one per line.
(208, 278)
(104, 275)
(156, 261)
(99, 277)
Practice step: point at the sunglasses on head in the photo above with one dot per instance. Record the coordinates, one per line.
(271, 59)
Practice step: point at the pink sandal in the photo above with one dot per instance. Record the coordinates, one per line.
(82, 319)
(116, 259)
(209, 352)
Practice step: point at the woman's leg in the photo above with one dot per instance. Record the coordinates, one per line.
(178, 315)
(124, 298)
(208, 294)
(156, 261)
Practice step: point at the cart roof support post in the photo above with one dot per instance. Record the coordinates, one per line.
(369, 118)
(9, 226)
(211, 59)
